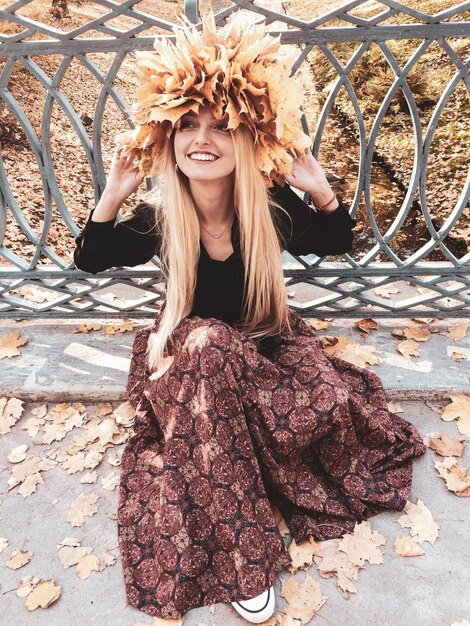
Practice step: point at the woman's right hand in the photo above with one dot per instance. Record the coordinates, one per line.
(124, 176)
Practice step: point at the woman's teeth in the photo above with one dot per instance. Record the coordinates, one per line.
(202, 157)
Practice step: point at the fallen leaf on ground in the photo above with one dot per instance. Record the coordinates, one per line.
(464, 622)
(445, 444)
(121, 328)
(363, 545)
(88, 563)
(26, 585)
(345, 349)
(124, 414)
(82, 507)
(318, 324)
(43, 595)
(3, 544)
(405, 546)
(417, 333)
(457, 356)
(408, 348)
(367, 324)
(331, 561)
(85, 328)
(281, 524)
(70, 551)
(10, 412)
(457, 478)
(9, 344)
(18, 559)
(303, 599)
(458, 409)
(28, 473)
(18, 454)
(419, 520)
(110, 481)
(89, 478)
(301, 554)
(457, 332)
(394, 407)
(386, 291)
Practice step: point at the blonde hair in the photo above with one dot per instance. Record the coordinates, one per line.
(265, 311)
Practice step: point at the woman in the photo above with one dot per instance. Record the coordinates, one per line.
(237, 407)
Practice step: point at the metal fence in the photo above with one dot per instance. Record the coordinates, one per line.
(376, 281)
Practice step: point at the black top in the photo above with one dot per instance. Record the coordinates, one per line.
(219, 285)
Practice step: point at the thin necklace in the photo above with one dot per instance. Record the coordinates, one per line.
(216, 236)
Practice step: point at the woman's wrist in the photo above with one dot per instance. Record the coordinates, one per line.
(324, 198)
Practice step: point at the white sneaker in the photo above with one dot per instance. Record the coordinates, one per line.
(256, 610)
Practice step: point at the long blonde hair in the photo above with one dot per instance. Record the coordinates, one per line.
(265, 311)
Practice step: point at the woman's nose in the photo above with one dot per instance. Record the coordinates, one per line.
(202, 135)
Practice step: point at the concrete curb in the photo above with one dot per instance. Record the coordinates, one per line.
(57, 364)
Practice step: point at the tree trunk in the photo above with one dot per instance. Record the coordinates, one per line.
(59, 8)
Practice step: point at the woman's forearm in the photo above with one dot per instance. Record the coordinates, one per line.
(107, 207)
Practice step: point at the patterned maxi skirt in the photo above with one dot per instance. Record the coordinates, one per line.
(232, 428)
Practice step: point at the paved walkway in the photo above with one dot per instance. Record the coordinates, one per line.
(57, 365)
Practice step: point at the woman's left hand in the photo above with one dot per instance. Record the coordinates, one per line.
(307, 175)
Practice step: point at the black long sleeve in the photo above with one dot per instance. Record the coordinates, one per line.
(102, 245)
(312, 232)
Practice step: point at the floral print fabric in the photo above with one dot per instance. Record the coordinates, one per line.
(232, 428)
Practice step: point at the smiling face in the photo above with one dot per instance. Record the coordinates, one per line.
(204, 147)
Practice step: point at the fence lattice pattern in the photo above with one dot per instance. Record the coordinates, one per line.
(37, 279)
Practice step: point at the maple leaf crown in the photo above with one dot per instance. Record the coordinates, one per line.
(238, 72)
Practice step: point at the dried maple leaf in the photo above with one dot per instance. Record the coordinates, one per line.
(10, 413)
(303, 599)
(459, 409)
(114, 457)
(281, 524)
(394, 407)
(85, 328)
(26, 585)
(301, 554)
(70, 551)
(457, 356)
(82, 507)
(88, 563)
(458, 331)
(89, 478)
(457, 478)
(18, 559)
(367, 324)
(9, 344)
(18, 454)
(445, 444)
(386, 291)
(318, 324)
(346, 349)
(419, 520)
(363, 545)
(32, 425)
(124, 414)
(28, 474)
(331, 561)
(110, 481)
(417, 333)
(405, 546)
(121, 328)
(43, 595)
(408, 348)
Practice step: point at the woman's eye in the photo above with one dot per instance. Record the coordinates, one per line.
(185, 124)
(221, 126)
